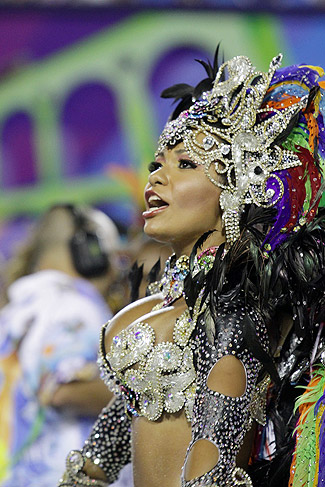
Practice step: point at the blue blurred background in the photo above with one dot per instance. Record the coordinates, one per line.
(80, 111)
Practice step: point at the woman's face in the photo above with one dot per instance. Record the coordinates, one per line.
(181, 202)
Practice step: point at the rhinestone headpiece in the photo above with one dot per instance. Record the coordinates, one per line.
(235, 139)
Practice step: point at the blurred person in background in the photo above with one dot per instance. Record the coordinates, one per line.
(50, 390)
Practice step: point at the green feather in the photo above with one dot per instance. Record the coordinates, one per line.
(305, 470)
(322, 201)
(308, 195)
(297, 137)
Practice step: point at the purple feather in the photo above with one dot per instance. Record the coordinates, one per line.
(319, 403)
(321, 140)
(297, 73)
(283, 206)
(321, 463)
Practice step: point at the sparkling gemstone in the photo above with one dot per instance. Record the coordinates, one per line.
(138, 335)
(167, 356)
(270, 193)
(76, 461)
(302, 221)
(117, 341)
(225, 149)
(208, 142)
(276, 126)
(245, 121)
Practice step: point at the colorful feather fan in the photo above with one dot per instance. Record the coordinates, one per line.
(307, 139)
(307, 467)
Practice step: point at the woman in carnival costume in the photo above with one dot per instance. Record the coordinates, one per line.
(204, 369)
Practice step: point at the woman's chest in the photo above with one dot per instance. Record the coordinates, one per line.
(153, 360)
(161, 324)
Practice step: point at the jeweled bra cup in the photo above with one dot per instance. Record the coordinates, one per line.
(163, 378)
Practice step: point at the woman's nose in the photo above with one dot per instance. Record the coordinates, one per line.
(158, 177)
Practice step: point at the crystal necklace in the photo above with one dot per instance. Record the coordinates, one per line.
(172, 282)
(176, 270)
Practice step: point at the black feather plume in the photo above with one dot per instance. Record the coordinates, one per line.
(178, 91)
(154, 272)
(135, 278)
(212, 70)
(186, 94)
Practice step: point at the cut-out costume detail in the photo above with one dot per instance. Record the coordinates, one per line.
(224, 420)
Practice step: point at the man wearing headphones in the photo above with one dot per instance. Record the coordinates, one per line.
(50, 391)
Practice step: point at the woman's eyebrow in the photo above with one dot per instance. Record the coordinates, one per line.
(180, 151)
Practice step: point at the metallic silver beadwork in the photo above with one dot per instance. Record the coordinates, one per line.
(220, 419)
(164, 374)
(109, 443)
(164, 377)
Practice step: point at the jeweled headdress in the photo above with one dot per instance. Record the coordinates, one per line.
(250, 129)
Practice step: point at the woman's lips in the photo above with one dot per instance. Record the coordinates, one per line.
(155, 203)
(153, 211)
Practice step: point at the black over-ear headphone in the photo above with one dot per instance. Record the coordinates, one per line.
(88, 256)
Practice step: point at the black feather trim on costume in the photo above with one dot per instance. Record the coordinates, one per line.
(154, 272)
(292, 279)
(292, 276)
(283, 136)
(177, 91)
(135, 278)
(311, 97)
(253, 343)
(188, 94)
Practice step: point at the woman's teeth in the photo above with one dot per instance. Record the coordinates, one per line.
(156, 202)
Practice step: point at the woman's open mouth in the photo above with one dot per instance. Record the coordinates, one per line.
(155, 204)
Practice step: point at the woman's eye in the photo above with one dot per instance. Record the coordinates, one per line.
(153, 166)
(186, 164)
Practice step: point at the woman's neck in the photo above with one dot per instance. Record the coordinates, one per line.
(215, 239)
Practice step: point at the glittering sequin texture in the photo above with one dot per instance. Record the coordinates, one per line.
(221, 419)
(109, 444)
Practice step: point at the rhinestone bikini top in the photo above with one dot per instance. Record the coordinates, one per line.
(164, 376)
(155, 378)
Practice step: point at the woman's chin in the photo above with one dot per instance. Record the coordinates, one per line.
(153, 231)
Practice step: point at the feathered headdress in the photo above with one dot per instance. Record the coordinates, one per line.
(260, 137)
